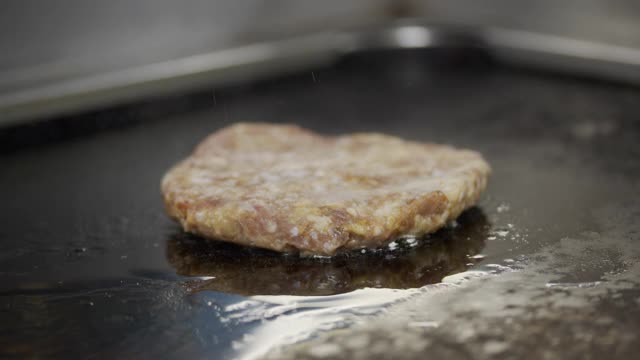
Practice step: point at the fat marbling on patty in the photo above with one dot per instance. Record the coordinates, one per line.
(284, 188)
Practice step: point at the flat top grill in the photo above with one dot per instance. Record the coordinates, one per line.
(91, 266)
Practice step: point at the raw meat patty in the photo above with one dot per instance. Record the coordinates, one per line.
(285, 188)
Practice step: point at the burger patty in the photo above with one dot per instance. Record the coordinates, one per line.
(284, 188)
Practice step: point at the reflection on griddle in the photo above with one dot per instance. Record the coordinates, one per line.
(244, 271)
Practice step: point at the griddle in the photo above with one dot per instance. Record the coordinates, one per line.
(91, 267)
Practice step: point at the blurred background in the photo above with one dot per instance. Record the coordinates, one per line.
(71, 55)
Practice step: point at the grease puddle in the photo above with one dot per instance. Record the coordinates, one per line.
(287, 300)
(283, 320)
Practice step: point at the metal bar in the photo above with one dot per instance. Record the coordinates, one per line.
(250, 62)
(219, 67)
(594, 59)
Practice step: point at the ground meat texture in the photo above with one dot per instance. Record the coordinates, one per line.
(284, 188)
